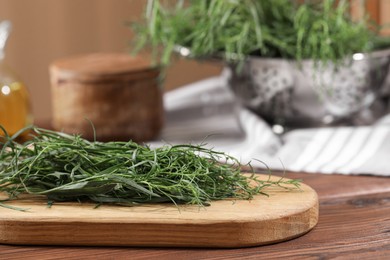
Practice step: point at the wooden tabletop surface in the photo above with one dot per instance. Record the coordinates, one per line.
(354, 223)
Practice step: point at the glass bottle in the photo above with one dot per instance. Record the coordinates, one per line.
(15, 109)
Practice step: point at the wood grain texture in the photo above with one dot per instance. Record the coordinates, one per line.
(241, 223)
(120, 94)
(354, 225)
(98, 67)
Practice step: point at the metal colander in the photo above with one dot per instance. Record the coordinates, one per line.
(306, 94)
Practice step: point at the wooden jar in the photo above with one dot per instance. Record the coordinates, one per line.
(118, 93)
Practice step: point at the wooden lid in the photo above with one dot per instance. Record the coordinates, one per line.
(102, 66)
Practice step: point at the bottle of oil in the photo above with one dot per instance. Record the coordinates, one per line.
(15, 109)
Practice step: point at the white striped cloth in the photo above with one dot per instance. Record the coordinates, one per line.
(205, 112)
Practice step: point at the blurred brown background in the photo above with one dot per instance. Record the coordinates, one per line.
(44, 30)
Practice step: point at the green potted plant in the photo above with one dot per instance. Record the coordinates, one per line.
(295, 63)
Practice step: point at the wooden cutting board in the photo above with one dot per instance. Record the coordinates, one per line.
(281, 216)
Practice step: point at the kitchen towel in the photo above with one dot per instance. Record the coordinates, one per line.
(205, 112)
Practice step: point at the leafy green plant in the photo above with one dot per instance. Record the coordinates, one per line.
(234, 29)
(69, 168)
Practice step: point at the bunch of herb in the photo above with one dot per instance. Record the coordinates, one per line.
(234, 29)
(69, 168)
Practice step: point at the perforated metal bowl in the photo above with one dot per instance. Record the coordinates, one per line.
(292, 94)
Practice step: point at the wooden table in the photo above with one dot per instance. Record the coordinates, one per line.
(354, 223)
